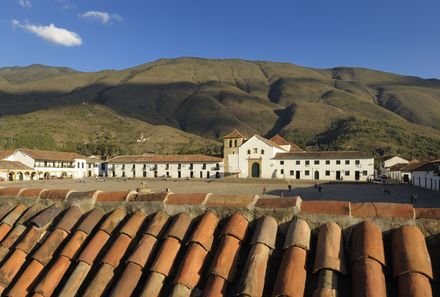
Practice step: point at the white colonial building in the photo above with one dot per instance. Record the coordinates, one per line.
(259, 157)
(392, 164)
(427, 175)
(169, 166)
(30, 164)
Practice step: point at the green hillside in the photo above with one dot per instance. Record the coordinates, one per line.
(342, 108)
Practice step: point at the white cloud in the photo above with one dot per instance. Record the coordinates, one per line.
(101, 16)
(51, 33)
(25, 3)
(66, 4)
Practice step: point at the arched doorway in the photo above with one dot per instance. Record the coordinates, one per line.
(255, 168)
(11, 176)
(33, 175)
(316, 174)
(47, 175)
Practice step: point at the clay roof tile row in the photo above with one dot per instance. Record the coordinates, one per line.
(56, 250)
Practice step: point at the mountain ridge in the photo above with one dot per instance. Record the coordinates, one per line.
(210, 97)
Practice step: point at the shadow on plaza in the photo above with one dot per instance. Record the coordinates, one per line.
(361, 193)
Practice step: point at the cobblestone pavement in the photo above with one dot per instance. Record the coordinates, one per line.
(274, 188)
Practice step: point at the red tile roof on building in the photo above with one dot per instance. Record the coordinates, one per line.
(412, 165)
(5, 153)
(234, 134)
(51, 155)
(322, 155)
(281, 141)
(262, 247)
(13, 165)
(164, 159)
(426, 166)
(269, 142)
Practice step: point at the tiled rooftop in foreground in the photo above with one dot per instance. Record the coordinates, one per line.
(68, 243)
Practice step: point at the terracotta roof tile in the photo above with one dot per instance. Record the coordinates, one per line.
(47, 249)
(143, 250)
(265, 232)
(161, 196)
(13, 216)
(368, 279)
(156, 224)
(53, 277)
(298, 235)
(69, 219)
(367, 242)
(235, 226)
(409, 252)
(82, 195)
(279, 140)
(179, 227)
(75, 242)
(12, 237)
(90, 221)
(88, 255)
(4, 209)
(428, 213)
(215, 287)
(254, 273)
(75, 280)
(113, 220)
(44, 218)
(21, 286)
(326, 207)
(4, 230)
(190, 270)
(10, 191)
(166, 256)
(234, 134)
(55, 194)
(383, 210)
(282, 202)
(291, 279)
(31, 212)
(30, 239)
(6, 153)
(117, 250)
(38, 256)
(100, 281)
(10, 268)
(329, 249)
(112, 196)
(180, 290)
(186, 198)
(128, 281)
(51, 155)
(204, 232)
(153, 285)
(414, 285)
(133, 224)
(225, 260)
(31, 193)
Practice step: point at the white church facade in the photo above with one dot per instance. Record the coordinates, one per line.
(259, 157)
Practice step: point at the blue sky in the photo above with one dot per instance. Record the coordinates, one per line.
(393, 35)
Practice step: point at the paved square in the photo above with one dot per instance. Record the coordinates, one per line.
(274, 188)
